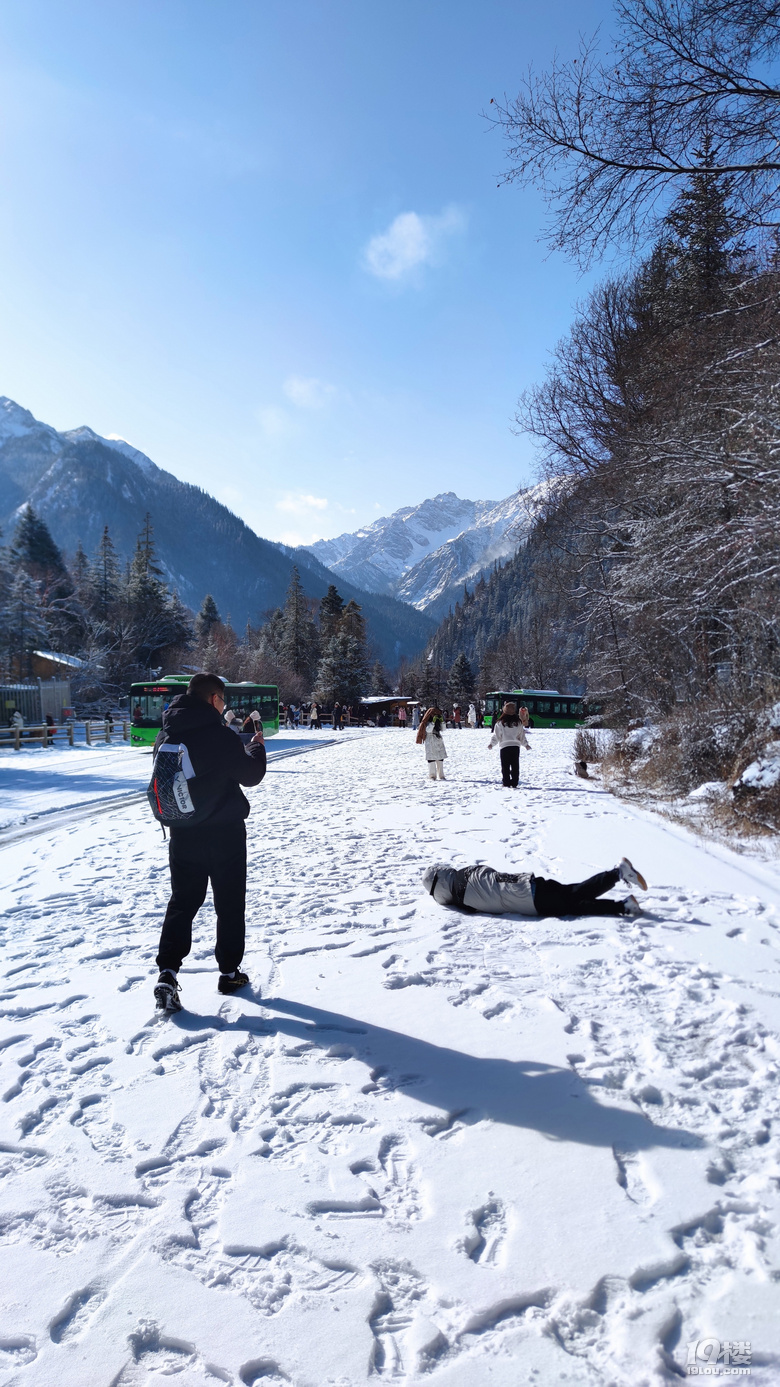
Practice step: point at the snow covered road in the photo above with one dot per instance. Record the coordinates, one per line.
(502, 1151)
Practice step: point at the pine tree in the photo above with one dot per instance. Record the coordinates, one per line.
(702, 243)
(81, 570)
(105, 578)
(460, 685)
(342, 675)
(146, 555)
(331, 608)
(353, 622)
(379, 682)
(23, 625)
(207, 617)
(34, 550)
(272, 635)
(148, 601)
(33, 546)
(181, 632)
(298, 649)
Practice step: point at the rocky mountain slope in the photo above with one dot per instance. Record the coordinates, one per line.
(424, 554)
(79, 482)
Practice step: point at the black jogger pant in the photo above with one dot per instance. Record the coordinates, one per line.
(552, 898)
(197, 856)
(510, 765)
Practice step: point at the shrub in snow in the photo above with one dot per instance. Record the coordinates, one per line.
(764, 773)
(640, 740)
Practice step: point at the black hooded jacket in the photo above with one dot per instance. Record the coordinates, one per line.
(219, 758)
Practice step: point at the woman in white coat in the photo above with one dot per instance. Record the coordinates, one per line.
(429, 736)
(509, 735)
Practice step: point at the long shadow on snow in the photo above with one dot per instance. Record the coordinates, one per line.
(519, 1093)
(24, 780)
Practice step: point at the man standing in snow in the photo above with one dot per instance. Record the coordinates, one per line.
(214, 847)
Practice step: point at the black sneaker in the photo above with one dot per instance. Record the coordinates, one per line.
(228, 983)
(166, 993)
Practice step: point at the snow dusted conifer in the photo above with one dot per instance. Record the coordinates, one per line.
(331, 608)
(379, 682)
(24, 625)
(207, 617)
(460, 684)
(105, 578)
(298, 645)
(342, 675)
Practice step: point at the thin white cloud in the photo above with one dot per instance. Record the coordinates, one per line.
(294, 538)
(411, 240)
(275, 423)
(307, 392)
(299, 503)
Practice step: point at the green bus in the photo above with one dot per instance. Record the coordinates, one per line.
(149, 700)
(546, 707)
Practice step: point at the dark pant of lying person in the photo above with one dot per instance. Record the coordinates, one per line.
(489, 892)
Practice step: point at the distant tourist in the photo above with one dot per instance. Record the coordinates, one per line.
(509, 735)
(472, 716)
(336, 717)
(401, 715)
(429, 736)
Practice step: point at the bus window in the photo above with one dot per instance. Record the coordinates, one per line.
(543, 706)
(149, 707)
(557, 709)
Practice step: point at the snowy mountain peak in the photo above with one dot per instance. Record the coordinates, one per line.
(120, 445)
(15, 421)
(378, 555)
(424, 553)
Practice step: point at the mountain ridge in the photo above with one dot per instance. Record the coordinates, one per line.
(425, 554)
(79, 482)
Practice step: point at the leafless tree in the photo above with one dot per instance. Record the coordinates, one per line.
(610, 140)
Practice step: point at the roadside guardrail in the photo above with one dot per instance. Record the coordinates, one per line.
(94, 730)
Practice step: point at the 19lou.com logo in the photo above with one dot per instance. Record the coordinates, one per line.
(713, 1358)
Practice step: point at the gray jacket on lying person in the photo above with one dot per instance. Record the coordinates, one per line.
(489, 892)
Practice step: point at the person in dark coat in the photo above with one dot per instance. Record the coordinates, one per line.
(212, 847)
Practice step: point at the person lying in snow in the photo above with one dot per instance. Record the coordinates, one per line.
(521, 893)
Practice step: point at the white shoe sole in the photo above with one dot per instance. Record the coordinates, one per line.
(631, 876)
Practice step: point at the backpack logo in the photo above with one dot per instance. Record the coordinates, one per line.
(168, 792)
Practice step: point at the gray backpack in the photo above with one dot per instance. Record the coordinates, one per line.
(169, 792)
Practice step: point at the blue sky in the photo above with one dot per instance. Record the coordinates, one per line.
(264, 242)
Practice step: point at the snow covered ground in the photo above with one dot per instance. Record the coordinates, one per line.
(502, 1151)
